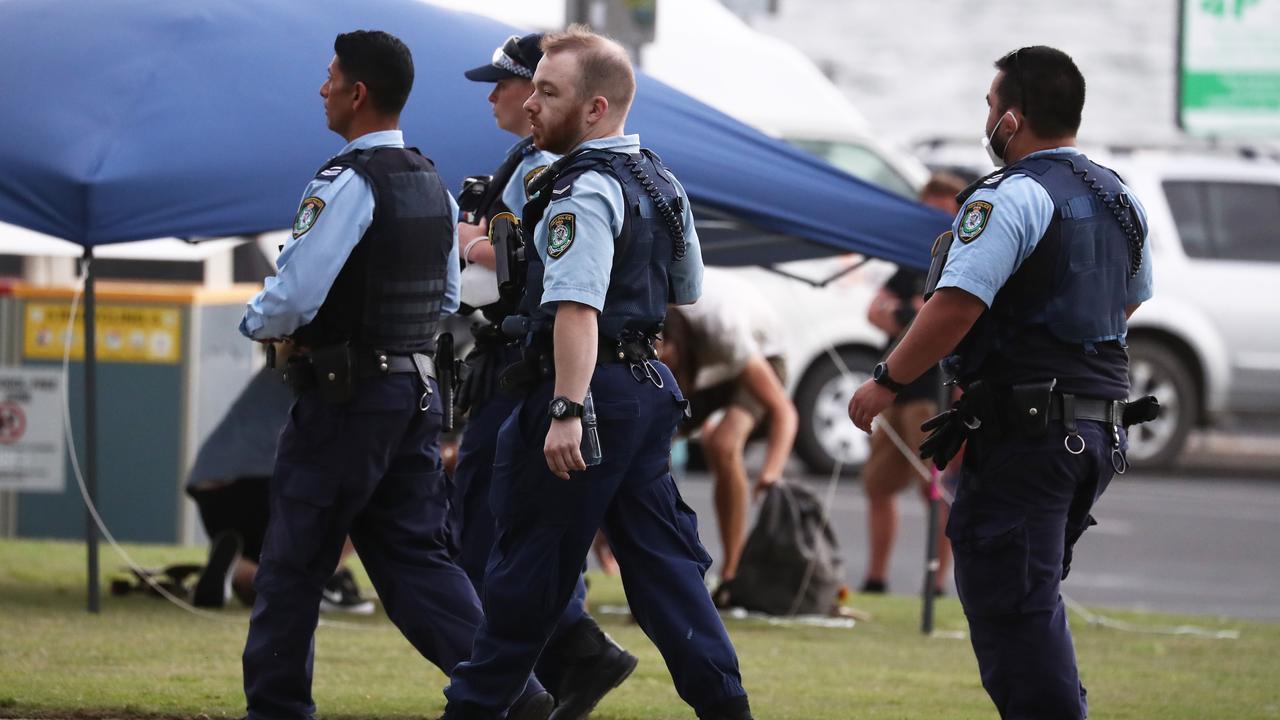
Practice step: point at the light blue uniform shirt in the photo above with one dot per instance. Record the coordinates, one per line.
(1021, 211)
(516, 193)
(581, 273)
(310, 262)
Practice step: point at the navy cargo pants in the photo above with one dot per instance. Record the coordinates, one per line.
(1019, 509)
(471, 519)
(545, 529)
(370, 469)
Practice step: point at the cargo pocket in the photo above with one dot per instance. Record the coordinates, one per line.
(302, 517)
(991, 568)
(309, 438)
(685, 521)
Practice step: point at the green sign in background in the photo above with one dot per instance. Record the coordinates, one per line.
(1229, 68)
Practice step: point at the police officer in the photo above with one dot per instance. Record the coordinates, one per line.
(361, 286)
(580, 663)
(613, 242)
(1044, 263)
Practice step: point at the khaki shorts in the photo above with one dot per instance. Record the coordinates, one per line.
(888, 471)
(732, 393)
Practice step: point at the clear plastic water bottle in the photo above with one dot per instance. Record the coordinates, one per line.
(592, 454)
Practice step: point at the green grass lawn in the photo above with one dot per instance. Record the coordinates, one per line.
(143, 657)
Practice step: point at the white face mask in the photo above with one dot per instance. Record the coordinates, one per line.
(997, 158)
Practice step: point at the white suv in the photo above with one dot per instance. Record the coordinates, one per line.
(1208, 343)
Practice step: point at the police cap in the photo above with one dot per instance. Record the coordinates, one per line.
(516, 58)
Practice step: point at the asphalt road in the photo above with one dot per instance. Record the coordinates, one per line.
(1200, 543)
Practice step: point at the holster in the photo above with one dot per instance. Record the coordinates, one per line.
(330, 370)
(476, 374)
(522, 376)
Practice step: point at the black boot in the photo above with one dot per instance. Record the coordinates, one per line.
(534, 707)
(733, 709)
(591, 664)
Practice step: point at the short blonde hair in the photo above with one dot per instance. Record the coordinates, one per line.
(604, 66)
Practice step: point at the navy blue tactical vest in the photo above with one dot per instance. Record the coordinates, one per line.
(1051, 318)
(505, 175)
(652, 238)
(389, 293)
(493, 205)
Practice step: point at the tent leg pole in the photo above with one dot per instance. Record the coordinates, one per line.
(91, 431)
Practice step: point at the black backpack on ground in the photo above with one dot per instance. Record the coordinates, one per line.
(791, 563)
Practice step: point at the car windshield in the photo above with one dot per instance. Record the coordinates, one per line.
(859, 161)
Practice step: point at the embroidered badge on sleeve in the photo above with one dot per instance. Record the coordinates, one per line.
(560, 231)
(532, 175)
(306, 217)
(973, 220)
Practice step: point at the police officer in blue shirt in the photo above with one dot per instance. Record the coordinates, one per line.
(580, 663)
(371, 268)
(1031, 289)
(612, 243)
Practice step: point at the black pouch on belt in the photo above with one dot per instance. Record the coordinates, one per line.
(1027, 409)
(334, 367)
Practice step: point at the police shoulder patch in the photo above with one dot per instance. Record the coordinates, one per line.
(973, 220)
(560, 232)
(308, 212)
(532, 175)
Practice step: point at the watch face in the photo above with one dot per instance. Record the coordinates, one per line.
(878, 372)
(558, 407)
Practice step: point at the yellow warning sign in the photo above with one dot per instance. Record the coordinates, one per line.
(124, 333)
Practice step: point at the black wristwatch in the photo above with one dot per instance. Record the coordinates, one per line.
(881, 375)
(562, 407)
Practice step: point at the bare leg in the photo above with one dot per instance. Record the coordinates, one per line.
(347, 549)
(725, 446)
(944, 547)
(604, 555)
(882, 528)
(242, 581)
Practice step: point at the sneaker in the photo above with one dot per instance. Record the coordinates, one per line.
(213, 589)
(341, 594)
(593, 664)
(722, 596)
(535, 707)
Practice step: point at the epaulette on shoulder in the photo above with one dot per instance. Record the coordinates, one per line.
(987, 182)
(564, 172)
(331, 171)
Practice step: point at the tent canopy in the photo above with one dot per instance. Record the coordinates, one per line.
(136, 119)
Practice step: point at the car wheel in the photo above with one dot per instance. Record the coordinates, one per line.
(826, 434)
(1154, 369)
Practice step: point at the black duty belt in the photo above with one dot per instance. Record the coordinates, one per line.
(1065, 407)
(538, 362)
(374, 364)
(333, 369)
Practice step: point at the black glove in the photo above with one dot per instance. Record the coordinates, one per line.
(1144, 409)
(947, 432)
